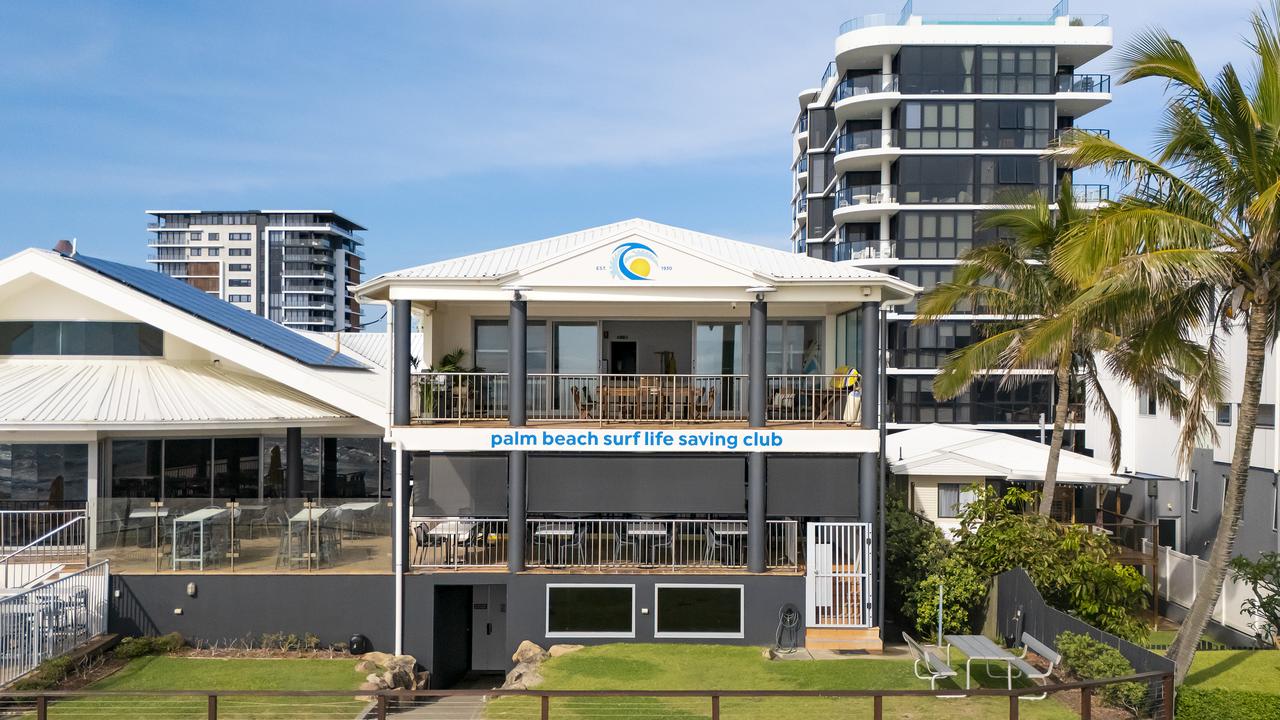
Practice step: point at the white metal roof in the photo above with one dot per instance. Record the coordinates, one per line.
(136, 393)
(766, 261)
(372, 348)
(963, 452)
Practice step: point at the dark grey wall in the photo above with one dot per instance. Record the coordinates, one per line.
(526, 605)
(812, 485)
(230, 607)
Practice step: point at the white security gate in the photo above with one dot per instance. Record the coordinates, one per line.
(837, 582)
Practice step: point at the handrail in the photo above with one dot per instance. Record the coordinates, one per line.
(46, 536)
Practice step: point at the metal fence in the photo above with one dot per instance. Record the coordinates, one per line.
(601, 543)
(546, 704)
(1020, 608)
(20, 528)
(47, 554)
(51, 620)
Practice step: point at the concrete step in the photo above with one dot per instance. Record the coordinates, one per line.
(866, 639)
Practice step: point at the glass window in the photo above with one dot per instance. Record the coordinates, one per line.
(235, 467)
(577, 348)
(1223, 416)
(936, 69)
(849, 339)
(926, 236)
(794, 347)
(953, 498)
(44, 475)
(698, 611)
(24, 337)
(938, 125)
(926, 346)
(135, 468)
(591, 610)
(1266, 415)
(718, 349)
(186, 468)
(1146, 403)
(356, 468)
(1195, 491)
(493, 343)
(1017, 71)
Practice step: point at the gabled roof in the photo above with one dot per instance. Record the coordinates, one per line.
(96, 393)
(963, 452)
(236, 320)
(763, 262)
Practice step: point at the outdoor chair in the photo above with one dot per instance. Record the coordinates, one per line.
(583, 403)
(621, 542)
(575, 546)
(704, 402)
(716, 547)
(928, 666)
(1020, 663)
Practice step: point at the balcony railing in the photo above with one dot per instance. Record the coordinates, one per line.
(864, 140)
(647, 399)
(1086, 193)
(1071, 134)
(866, 195)
(470, 542)
(863, 250)
(866, 85)
(1092, 83)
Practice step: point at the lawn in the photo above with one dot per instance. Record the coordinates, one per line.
(707, 667)
(1256, 670)
(184, 673)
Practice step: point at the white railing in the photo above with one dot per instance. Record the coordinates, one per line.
(20, 528)
(463, 542)
(838, 574)
(1180, 580)
(646, 398)
(44, 554)
(459, 542)
(51, 620)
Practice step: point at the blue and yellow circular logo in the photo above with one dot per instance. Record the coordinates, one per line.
(634, 261)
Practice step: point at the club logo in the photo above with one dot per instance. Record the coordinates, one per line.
(633, 261)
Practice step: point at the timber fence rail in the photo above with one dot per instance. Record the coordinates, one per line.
(541, 704)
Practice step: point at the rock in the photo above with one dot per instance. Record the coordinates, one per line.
(366, 686)
(556, 651)
(365, 666)
(422, 680)
(374, 678)
(523, 677)
(377, 658)
(529, 652)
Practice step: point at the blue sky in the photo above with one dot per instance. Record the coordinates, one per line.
(445, 127)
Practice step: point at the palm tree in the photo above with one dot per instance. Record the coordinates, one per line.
(1199, 229)
(1012, 277)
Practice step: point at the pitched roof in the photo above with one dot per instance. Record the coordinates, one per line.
(957, 451)
(140, 392)
(766, 261)
(238, 321)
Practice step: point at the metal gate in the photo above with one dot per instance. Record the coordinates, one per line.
(837, 582)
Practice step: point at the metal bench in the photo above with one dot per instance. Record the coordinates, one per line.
(935, 667)
(1020, 663)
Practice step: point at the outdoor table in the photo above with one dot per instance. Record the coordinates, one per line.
(352, 510)
(200, 519)
(721, 528)
(979, 647)
(559, 532)
(456, 531)
(305, 517)
(647, 536)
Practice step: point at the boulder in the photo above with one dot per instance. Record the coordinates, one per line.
(365, 666)
(556, 651)
(529, 652)
(377, 658)
(522, 677)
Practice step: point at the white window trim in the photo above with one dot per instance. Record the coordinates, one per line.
(546, 612)
(742, 611)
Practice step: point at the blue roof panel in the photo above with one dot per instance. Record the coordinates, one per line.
(235, 320)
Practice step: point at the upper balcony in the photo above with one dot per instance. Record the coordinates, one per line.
(865, 150)
(865, 203)
(864, 96)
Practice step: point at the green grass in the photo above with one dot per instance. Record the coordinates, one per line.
(184, 673)
(1256, 670)
(718, 667)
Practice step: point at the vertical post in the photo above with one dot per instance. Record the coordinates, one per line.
(42, 707)
(877, 707)
(213, 707)
(868, 463)
(715, 707)
(1155, 574)
(545, 707)
(1013, 707)
(1086, 703)
(1167, 708)
(293, 462)
(757, 387)
(400, 538)
(517, 381)
(401, 363)
(382, 707)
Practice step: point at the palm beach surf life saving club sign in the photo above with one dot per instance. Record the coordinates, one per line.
(668, 440)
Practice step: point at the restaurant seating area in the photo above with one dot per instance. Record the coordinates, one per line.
(640, 543)
(258, 535)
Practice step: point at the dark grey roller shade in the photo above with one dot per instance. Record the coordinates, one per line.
(812, 486)
(621, 483)
(463, 484)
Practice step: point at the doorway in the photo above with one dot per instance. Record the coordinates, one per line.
(489, 651)
(1167, 527)
(451, 637)
(622, 357)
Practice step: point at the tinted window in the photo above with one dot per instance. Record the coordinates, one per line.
(689, 610)
(25, 337)
(588, 610)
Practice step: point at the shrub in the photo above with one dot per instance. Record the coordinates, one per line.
(914, 548)
(1211, 703)
(47, 675)
(132, 647)
(1089, 659)
(964, 591)
(1263, 577)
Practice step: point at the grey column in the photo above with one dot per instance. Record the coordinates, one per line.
(293, 462)
(517, 379)
(869, 466)
(757, 386)
(402, 328)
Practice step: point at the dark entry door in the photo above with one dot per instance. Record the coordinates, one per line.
(622, 357)
(451, 645)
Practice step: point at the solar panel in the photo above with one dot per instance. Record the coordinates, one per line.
(238, 321)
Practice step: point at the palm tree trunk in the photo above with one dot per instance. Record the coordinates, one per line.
(1183, 648)
(1062, 383)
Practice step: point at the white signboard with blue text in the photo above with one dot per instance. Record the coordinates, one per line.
(603, 439)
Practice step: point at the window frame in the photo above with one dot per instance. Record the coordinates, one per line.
(960, 503)
(1147, 405)
(742, 611)
(1269, 423)
(546, 612)
(1217, 415)
(1195, 492)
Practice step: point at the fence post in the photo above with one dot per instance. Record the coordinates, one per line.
(1013, 707)
(1167, 714)
(382, 707)
(213, 707)
(42, 707)
(546, 707)
(715, 707)
(877, 707)
(1086, 703)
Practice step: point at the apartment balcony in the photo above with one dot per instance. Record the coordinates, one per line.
(321, 258)
(864, 97)
(599, 544)
(865, 150)
(307, 289)
(873, 253)
(1080, 94)
(1087, 194)
(665, 400)
(865, 203)
(168, 226)
(311, 273)
(293, 302)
